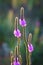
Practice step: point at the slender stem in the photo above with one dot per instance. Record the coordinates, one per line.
(11, 58)
(18, 45)
(22, 13)
(24, 30)
(29, 58)
(29, 41)
(16, 22)
(19, 56)
(16, 53)
(24, 34)
(26, 56)
(24, 37)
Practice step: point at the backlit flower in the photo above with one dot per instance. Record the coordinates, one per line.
(30, 47)
(22, 22)
(17, 33)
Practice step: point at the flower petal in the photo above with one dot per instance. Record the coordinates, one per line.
(22, 22)
(30, 47)
(17, 33)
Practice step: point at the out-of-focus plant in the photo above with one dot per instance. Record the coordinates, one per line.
(36, 31)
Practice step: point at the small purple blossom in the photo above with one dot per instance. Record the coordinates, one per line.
(22, 22)
(30, 47)
(37, 23)
(16, 62)
(17, 33)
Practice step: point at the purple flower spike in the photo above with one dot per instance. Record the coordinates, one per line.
(22, 22)
(17, 33)
(16, 62)
(30, 47)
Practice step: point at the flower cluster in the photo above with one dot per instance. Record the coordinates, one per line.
(17, 34)
(22, 23)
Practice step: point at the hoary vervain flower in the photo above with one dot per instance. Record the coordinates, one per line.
(16, 32)
(30, 47)
(22, 20)
(16, 62)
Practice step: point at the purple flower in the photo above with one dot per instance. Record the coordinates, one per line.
(37, 23)
(22, 22)
(17, 33)
(16, 62)
(30, 47)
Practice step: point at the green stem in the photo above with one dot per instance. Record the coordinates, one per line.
(29, 58)
(24, 37)
(26, 56)
(18, 46)
(26, 53)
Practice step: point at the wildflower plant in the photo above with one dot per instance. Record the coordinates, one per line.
(16, 58)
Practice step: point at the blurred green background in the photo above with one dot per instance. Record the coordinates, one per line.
(9, 9)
